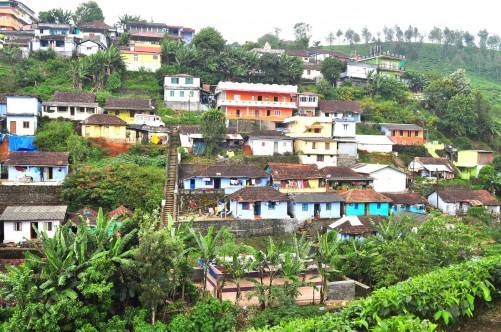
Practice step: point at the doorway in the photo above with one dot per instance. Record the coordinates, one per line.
(275, 147)
(316, 209)
(12, 127)
(192, 183)
(217, 183)
(50, 173)
(257, 209)
(33, 230)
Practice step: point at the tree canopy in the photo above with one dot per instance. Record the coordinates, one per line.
(88, 12)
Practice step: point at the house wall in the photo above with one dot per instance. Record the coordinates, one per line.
(279, 212)
(186, 142)
(312, 75)
(404, 137)
(79, 113)
(88, 48)
(410, 208)
(389, 180)
(266, 147)
(128, 115)
(379, 209)
(347, 149)
(316, 147)
(381, 148)
(257, 113)
(58, 173)
(20, 121)
(296, 209)
(225, 184)
(148, 61)
(110, 132)
(298, 127)
(355, 209)
(342, 115)
(10, 235)
(447, 208)
(344, 128)
(328, 160)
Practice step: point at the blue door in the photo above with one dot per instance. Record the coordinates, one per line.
(257, 209)
(192, 183)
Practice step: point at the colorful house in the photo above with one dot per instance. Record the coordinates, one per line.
(295, 178)
(410, 202)
(315, 205)
(191, 138)
(119, 213)
(126, 108)
(37, 166)
(105, 126)
(355, 227)
(404, 134)
(14, 15)
(22, 115)
(429, 167)
(387, 178)
(343, 177)
(249, 101)
(389, 65)
(258, 203)
(470, 162)
(145, 56)
(308, 126)
(268, 143)
(340, 109)
(76, 106)
(457, 202)
(228, 177)
(20, 223)
(362, 202)
(182, 92)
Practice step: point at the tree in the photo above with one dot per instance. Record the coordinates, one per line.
(460, 110)
(483, 35)
(302, 35)
(415, 33)
(209, 40)
(388, 34)
(127, 18)
(408, 34)
(56, 15)
(399, 33)
(326, 258)
(366, 35)
(330, 38)
(339, 33)
(493, 42)
(496, 163)
(331, 68)
(469, 39)
(213, 129)
(88, 12)
(434, 35)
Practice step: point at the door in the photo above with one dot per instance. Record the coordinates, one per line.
(275, 147)
(33, 230)
(316, 208)
(50, 173)
(192, 183)
(72, 111)
(257, 209)
(217, 183)
(12, 128)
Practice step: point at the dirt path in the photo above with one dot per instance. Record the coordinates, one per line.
(488, 321)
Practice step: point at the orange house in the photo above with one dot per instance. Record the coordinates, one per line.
(14, 15)
(268, 102)
(404, 134)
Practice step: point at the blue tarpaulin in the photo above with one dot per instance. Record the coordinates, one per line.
(21, 143)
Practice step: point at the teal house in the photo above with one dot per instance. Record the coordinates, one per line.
(365, 202)
(410, 202)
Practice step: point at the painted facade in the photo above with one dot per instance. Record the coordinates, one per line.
(268, 146)
(56, 37)
(386, 178)
(315, 206)
(389, 65)
(370, 209)
(182, 93)
(104, 131)
(14, 15)
(230, 185)
(322, 152)
(374, 143)
(295, 178)
(307, 103)
(470, 162)
(404, 134)
(37, 166)
(258, 203)
(458, 202)
(146, 56)
(50, 173)
(72, 106)
(22, 115)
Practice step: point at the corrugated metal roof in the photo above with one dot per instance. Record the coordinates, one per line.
(27, 213)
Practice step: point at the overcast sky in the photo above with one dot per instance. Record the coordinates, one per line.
(239, 21)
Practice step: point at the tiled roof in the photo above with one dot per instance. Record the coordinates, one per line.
(281, 171)
(339, 106)
(188, 130)
(401, 126)
(103, 119)
(406, 198)
(25, 213)
(230, 171)
(333, 53)
(87, 213)
(269, 134)
(356, 225)
(74, 97)
(311, 66)
(128, 104)
(437, 161)
(316, 197)
(255, 194)
(299, 53)
(3, 98)
(41, 158)
(364, 196)
(95, 25)
(342, 173)
(482, 196)
(146, 34)
(120, 212)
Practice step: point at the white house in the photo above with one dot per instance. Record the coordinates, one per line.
(22, 112)
(340, 109)
(56, 37)
(374, 143)
(357, 72)
(457, 202)
(182, 92)
(386, 177)
(433, 167)
(315, 205)
(75, 106)
(269, 142)
(40, 166)
(258, 203)
(312, 73)
(95, 36)
(20, 223)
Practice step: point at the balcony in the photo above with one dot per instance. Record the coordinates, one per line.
(391, 67)
(256, 103)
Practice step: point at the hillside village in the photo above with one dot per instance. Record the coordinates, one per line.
(344, 151)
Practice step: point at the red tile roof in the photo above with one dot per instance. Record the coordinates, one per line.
(258, 194)
(74, 97)
(87, 213)
(339, 106)
(364, 196)
(365, 228)
(298, 53)
(103, 119)
(132, 104)
(41, 158)
(120, 212)
(482, 196)
(280, 171)
(342, 173)
(406, 198)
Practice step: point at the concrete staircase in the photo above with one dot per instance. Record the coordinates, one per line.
(303, 230)
(171, 171)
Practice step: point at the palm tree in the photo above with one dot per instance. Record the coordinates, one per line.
(326, 258)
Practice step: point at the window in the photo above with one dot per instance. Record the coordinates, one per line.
(313, 145)
(131, 114)
(316, 130)
(308, 72)
(328, 206)
(408, 133)
(378, 205)
(18, 226)
(393, 133)
(237, 113)
(327, 145)
(59, 43)
(181, 93)
(245, 206)
(155, 57)
(235, 182)
(136, 57)
(416, 133)
(356, 206)
(401, 133)
(192, 93)
(285, 144)
(305, 207)
(256, 113)
(188, 80)
(26, 124)
(320, 157)
(117, 113)
(172, 93)
(271, 205)
(87, 131)
(277, 113)
(259, 98)
(49, 227)
(345, 127)
(275, 98)
(263, 143)
(236, 97)
(174, 80)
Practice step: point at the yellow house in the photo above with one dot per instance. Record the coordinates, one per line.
(104, 126)
(126, 108)
(147, 56)
(308, 126)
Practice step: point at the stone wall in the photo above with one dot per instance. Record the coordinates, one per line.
(247, 228)
(29, 195)
(341, 290)
(248, 126)
(202, 199)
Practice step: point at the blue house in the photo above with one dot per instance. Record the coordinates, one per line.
(410, 202)
(365, 202)
(37, 166)
(355, 227)
(258, 203)
(230, 178)
(315, 205)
